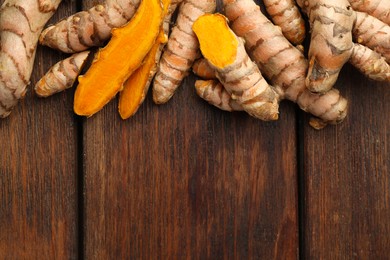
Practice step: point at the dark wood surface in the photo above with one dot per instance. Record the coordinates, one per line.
(186, 180)
(38, 172)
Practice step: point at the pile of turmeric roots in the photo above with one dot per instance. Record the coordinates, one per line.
(244, 60)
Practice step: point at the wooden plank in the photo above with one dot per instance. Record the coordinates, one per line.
(38, 172)
(347, 177)
(187, 180)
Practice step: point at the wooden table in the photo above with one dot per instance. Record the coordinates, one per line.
(188, 180)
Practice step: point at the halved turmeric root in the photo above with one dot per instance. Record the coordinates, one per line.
(119, 59)
(136, 87)
(240, 76)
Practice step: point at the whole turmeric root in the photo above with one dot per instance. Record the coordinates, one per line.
(328, 108)
(281, 63)
(214, 92)
(331, 45)
(377, 8)
(286, 15)
(62, 75)
(370, 63)
(373, 33)
(240, 76)
(21, 22)
(181, 50)
(89, 28)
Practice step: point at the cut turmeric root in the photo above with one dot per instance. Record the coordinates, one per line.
(240, 76)
(119, 59)
(136, 87)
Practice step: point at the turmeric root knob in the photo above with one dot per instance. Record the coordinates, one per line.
(240, 76)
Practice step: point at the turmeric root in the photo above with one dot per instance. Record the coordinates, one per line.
(284, 65)
(240, 76)
(329, 107)
(331, 43)
(62, 75)
(373, 33)
(377, 8)
(21, 22)
(136, 87)
(202, 69)
(89, 28)
(370, 63)
(286, 15)
(119, 59)
(181, 51)
(214, 92)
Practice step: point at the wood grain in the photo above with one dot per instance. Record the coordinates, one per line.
(38, 172)
(185, 180)
(346, 177)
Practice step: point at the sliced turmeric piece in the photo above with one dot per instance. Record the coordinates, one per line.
(114, 63)
(136, 87)
(240, 76)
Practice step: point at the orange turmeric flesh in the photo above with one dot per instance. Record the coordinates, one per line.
(119, 59)
(218, 48)
(136, 87)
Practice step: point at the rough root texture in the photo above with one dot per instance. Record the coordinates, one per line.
(370, 63)
(241, 77)
(62, 75)
(373, 33)
(377, 8)
(331, 43)
(285, 13)
(214, 92)
(21, 22)
(89, 28)
(181, 51)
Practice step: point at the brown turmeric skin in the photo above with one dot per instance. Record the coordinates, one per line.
(181, 50)
(89, 28)
(370, 63)
(281, 63)
(239, 75)
(377, 8)
(331, 45)
(21, 22)
(326, 108)
(61, 75)
(373, 33)
(214, 92)
(119, 59)
(286, 15)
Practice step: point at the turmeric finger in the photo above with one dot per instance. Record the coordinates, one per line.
(89, 28)
(286, 15)
(119, 59)
(331, 43)
(377, 8)
(281, 63)
(370, 63)
(215, 94)
(21, 22)
(327, 108)
(61, 75)
(240, 76)
(373, 33)
(181, 50)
